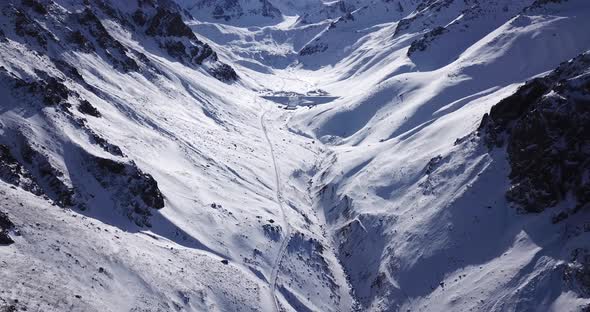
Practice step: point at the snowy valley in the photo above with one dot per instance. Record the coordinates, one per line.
(294, 155)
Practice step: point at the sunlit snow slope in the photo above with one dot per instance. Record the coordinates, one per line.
(284, 155)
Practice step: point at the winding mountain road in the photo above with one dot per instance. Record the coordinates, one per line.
(278, 197)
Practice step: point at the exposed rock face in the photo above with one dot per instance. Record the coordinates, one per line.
(84, 30)
(577, 271)
(313, 49)
(272, 231)
(34, 173)
(423, 15)
(167, 23)
(36, 6)
(5, 226)
(188, 54)
(224, 72)
(78, 39)
(327, 10)
(422, 43)
(168, 29)
(540, 3)
(545, 127)
(54, 92)
(355, 241)
(268, 9)
(86, 108)
(25, 26)
(112, 48)
(135, 192)
(233, 9)
(12, 172)
(47, 176)
(51, 91)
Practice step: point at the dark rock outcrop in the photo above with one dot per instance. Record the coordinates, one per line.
(36, 6)
(69, 71)
(269, 10)
(167, 24)
(423, 13)
(545, 127)
(173, 35)
(232, 9)
(47, 176)
(12, 172)
(577, 272)
(112, 48)
(432, 164)
(539, 4)
(80, 41)
(272, 231)
(313, 49)
(54, 91)
(5, 226)
(48, 90)
(25, 26)
(135, 192)
(88, 109)
(423, 43)
(206, 52)
(224, 72)
(34, 173)
(103, 143)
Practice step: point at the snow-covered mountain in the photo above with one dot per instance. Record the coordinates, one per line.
(282, 155)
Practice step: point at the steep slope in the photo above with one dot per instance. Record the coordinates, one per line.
(423, 223)
(278, 155)
(244, 12)
(134, 167)
(544, 124)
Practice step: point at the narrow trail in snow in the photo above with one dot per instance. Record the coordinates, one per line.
(278, 196)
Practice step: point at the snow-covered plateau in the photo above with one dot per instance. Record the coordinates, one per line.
(294, 155)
